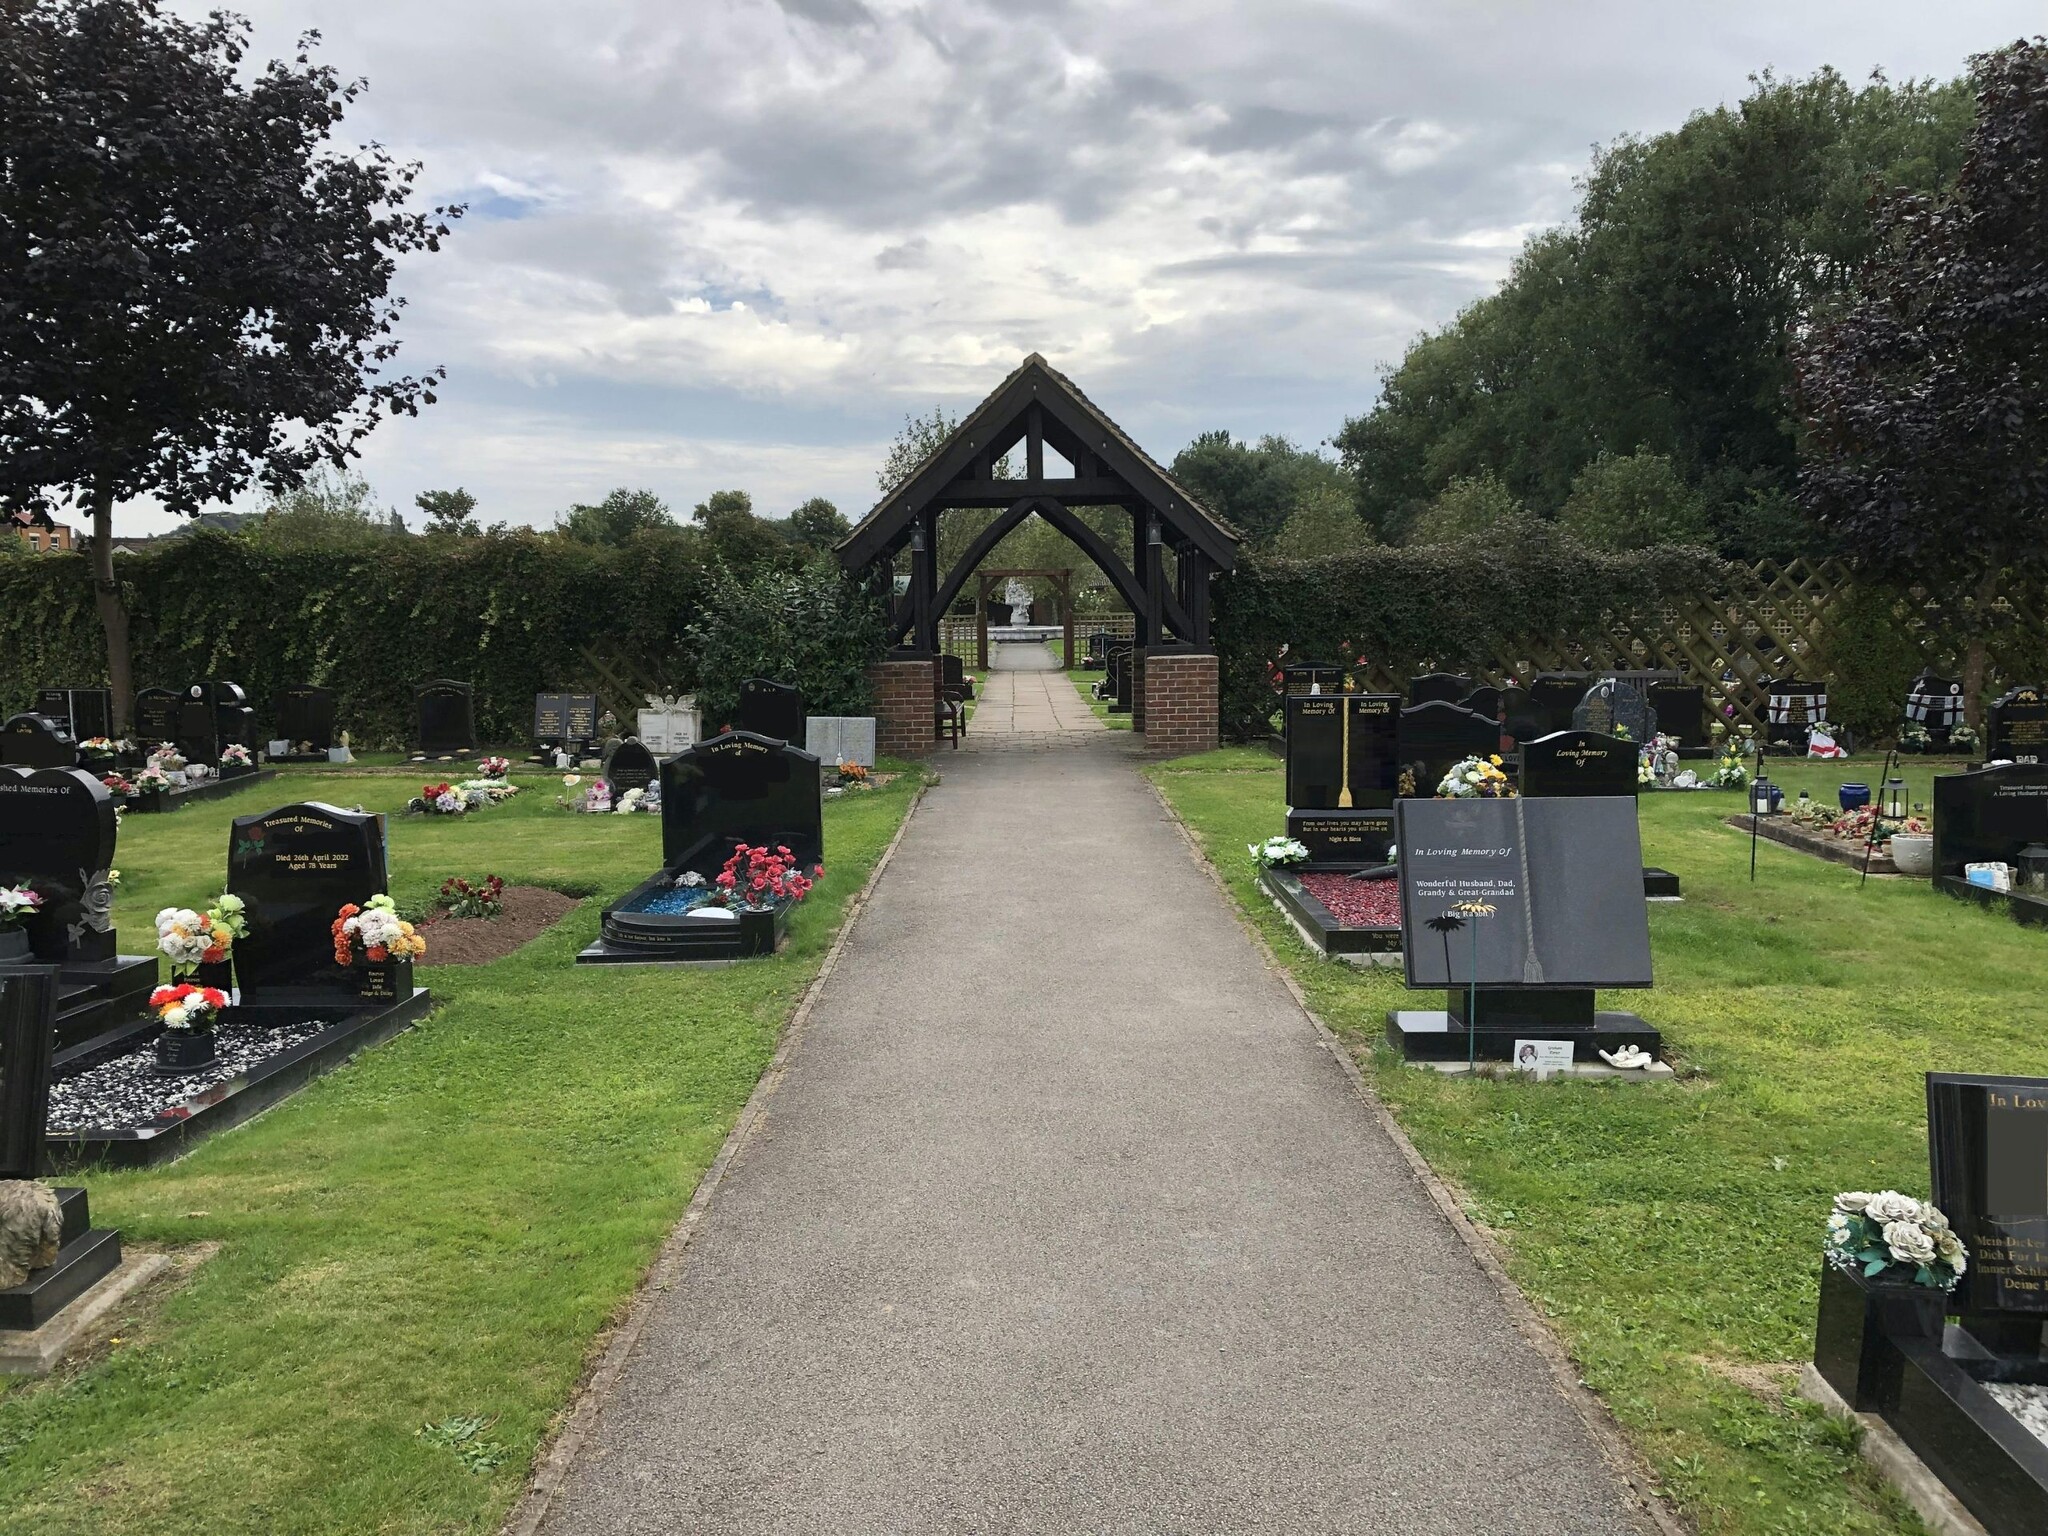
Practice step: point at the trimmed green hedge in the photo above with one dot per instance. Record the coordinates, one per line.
(1453, 607)
(510, 613)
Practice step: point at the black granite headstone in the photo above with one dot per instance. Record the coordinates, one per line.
(305, 716)
(1988, 816)
(740, 787)
(1098, 650)
(85, 712)
(1339, 742)
(580, 713)
(1312, 677)
(1613, 707)
(1578, 763)
(57, 837)
(156, 717)
(1438, 688)
(771, 709)
(1554, 695)
(1484, 701)
(28, 1015)
(550, 719)
(1122, 658)
(1680, 709)
(1431, 737)
(2017, 726)
(1987, 1144)
(234, 722)
(447, 721)
(295, 867)
(630, 766)
(1520, 718)
(1935, 702)
(1792, 707)
(198, 736)
(1563, 877)
(37, 741)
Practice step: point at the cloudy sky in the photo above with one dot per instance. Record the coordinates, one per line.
(719, 243)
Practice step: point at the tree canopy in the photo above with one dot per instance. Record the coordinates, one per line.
(1258, 486)
(451, 514)
(616, 519)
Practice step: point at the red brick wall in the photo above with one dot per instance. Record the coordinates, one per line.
(906, 692)
(1181, 702)
(1138, 688)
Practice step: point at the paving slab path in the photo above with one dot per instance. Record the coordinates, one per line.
(1062, 1220)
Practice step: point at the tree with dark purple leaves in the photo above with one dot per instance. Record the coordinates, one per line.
(195, 287)
(1926, 402)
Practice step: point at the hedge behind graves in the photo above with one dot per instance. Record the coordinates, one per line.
(515, 614)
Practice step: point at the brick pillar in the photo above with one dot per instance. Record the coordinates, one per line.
(1183, 706)
(906, 694)
(1137, 688)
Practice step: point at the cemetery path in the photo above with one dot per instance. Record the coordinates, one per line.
(1062, 1220)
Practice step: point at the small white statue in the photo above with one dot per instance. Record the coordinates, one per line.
(1629, 1058)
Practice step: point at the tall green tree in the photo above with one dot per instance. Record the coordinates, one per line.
(195, 288)
(1470, 507)
(1258, 486)
(817, 524)
(621, 515)
(329, 508)
(1631, 501)
(1661, 318)
(451, 514)
(1927, 401)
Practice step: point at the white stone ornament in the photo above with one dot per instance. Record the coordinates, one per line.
(1629, 1058)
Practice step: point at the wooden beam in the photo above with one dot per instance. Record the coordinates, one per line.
(1034, 444)
(1096, 490)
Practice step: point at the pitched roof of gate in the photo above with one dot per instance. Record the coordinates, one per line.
(1037, 381)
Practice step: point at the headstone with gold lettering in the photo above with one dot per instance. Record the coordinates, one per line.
(1342, 767)
(294, 868)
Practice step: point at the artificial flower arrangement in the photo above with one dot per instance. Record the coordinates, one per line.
(1730, 772)
(482, 792)
(1962, 737)
(191, 939)
(758, 877)
(597, 799)
(235, 755)
(152, 780)
(437, 800)
(494, 767)
(853, 776)
(1476, 778)
(167, 757)
(98, 746)
(1277, 853)
(378, 928)
(185, 1006)
(1891, 1232)
(118, 786)
(17, 905)
(463, 899)
(1915, 737)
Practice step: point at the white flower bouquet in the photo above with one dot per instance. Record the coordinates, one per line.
(235, 755)
(17, 905)
(1476, 778)
(1277, 853)
(183, 937)
(1888, 1231)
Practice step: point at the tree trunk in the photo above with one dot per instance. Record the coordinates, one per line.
(1977, 659)
(106, 593)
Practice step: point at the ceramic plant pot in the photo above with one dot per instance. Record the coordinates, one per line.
(181, 1052)
(1853, 797)
(1912, 853)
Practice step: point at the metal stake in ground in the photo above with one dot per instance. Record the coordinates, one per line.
(1876, 815)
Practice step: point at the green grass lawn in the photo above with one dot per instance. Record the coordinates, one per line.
(1672, 1231)
(435, 1232)
(1084, 682)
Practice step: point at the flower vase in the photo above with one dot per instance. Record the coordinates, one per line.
(1859, 1320)
(384, 981)
(181, 1052)
(219, 975)
(15, 948)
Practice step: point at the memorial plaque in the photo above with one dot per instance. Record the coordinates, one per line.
(1312, 677)
(295, 867)
(305, 717)
(580, 714)
(1554, 695)
(771, 709)
(28, 1032)
(1680, 710)
(1935, 702)
(447, 722)
(37, 741)
(1564, 879)
(1341, 750)
(1792, 708)
(1612, 707)
(57, 838)
(156, 718)
(1343, 839)
(2017, 726)
(1988, 816)
(630, 766)
(1987, 1144)
(550, 719)
(1431, 737)
(1578, 763)
(740, 787)
(834, 739)
(1438, 688)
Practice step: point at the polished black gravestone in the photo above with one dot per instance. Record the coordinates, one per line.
(1935, 703)
(304, 717)
(57, 837)
(630, 766)
(1680, 709)
(1553, 696)
(234, 720)
(1122, 657)
(771, 709)
(1562, 877)
(2016, 726)
(1431, 737)
(1987, 816)
(1614, 707)
(1585, 763)
(735, 788)
(1792, 707)
(1342, 771)
(447, 718)
(1098, 651)
(294, 868)
(1438, 688)
(1484, 701)
(156, 717)
(84, 712)
(1312, 677)
(1520, 718)
(37, 741)
(28, 1018)
(565, 722)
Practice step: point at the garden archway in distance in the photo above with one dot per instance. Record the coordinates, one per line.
(1176, 547)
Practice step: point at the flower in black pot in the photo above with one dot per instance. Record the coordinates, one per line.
(17, 905)
(187, 1014)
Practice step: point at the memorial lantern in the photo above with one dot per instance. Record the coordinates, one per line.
(2033, 866)
(1760, 796)
(1892, 803)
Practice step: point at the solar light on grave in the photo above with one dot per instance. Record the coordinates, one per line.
(2033, 863)
(1892, 801)
(1760, 796)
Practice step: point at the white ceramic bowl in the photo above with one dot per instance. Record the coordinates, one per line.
(1912, 853)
